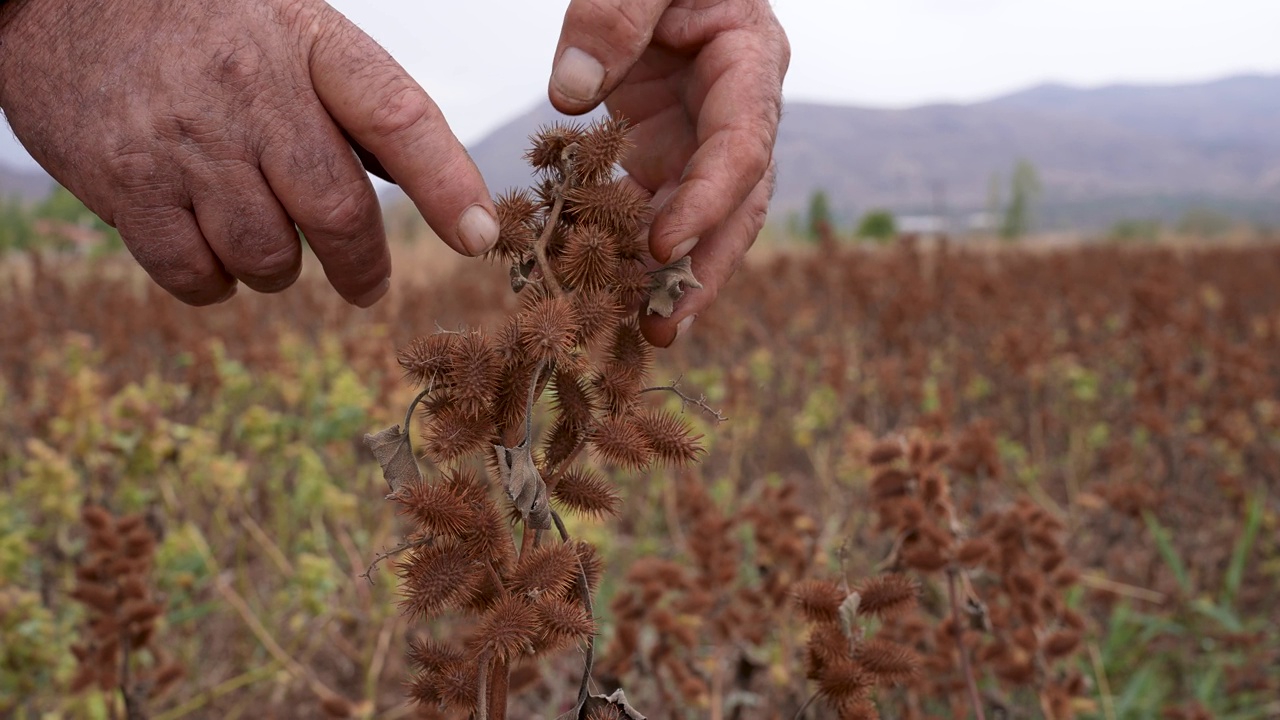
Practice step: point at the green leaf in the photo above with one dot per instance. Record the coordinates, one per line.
(1243, 548)
(1164, 543)
(1220, 614)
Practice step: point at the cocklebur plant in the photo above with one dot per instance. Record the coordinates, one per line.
(539, 409)
(113, 583)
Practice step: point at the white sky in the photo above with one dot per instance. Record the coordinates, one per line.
(486, 61)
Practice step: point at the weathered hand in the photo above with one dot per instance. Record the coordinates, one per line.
(204, 131)
(702, 81)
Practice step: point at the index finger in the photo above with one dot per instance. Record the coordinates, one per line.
(385, 111)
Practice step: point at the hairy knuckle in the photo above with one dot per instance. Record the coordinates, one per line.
(784, 50)
(237, 64)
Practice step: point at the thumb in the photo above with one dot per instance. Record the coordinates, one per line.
(600, 41)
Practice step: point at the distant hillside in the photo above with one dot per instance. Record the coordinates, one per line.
(25, 185)
(1102, 153)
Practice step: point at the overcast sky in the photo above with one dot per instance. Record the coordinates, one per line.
(486, 61)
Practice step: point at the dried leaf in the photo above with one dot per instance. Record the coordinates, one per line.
(617, 701)
(393, 452)
(666, 288)
(849, 614)
(524, 485)
(520, 272)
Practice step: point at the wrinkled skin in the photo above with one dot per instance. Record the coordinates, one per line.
(702, 80)
(204, 131)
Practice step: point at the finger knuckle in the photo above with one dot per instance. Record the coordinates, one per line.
(403, 109)
(347, 213)
(445, 174)
(756, 156)
(189, 286)
(274, 268)
(624, 27)
(129, 168)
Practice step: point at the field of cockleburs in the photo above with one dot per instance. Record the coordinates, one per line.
(922, 480)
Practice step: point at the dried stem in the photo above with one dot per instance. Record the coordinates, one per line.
(584, 590)
(482, 690)
(699, 402)
(498, 688)
(966, 669)
(548, 230)
(132, 708)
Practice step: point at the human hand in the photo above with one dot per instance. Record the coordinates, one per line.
(702, 82)
(204, 131)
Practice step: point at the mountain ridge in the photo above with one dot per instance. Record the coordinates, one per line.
(1207, 144)
(1102, 153)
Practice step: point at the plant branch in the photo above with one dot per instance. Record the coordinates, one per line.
(966, 669)
(368, 573)
(699, 402)
(805, 706)
(408, 416)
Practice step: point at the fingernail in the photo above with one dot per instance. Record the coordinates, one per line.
(682, 327)
(682, 249)
(373, 295)
(577, 76)
(478, 230)
(230, 294)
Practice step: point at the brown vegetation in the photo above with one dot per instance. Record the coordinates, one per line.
(1021, 483)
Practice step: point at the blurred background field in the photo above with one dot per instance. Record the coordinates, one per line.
(1130, 389)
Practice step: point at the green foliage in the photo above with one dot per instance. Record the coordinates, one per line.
(819, 215)
(16, 233)
(1204, 223)
(1146, 682)
(267, 470)
(59, 222)
(1131, 231)
(879, 225)
(1024, 190)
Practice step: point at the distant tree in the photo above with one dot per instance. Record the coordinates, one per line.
(819, 220)
(878, 225)
(1024, 190)
(995, 200)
